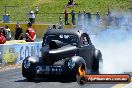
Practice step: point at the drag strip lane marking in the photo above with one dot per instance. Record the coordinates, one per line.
(128, 85)
(123, 85)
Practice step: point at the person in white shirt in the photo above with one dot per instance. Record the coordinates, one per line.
(36, 9)
(31, 17)
(7, 33)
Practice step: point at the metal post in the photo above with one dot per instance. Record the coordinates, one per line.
(5, 9)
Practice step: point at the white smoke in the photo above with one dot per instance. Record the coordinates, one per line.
(115, 43)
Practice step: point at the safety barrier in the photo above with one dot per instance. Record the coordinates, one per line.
(16, 52)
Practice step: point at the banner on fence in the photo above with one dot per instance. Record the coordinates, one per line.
(15, 53)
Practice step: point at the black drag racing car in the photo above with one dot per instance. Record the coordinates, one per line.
(64, 54)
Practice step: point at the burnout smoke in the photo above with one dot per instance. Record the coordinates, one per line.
(115, 43)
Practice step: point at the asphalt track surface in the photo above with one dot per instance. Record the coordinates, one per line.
(14, 79)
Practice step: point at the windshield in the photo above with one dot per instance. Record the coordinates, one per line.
(68, 39)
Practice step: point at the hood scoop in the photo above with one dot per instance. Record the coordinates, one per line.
(56, 51)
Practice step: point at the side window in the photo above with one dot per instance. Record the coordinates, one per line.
(84, 40)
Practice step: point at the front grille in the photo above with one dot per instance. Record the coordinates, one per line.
(49, 69)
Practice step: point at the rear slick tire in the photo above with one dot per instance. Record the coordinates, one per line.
(97, 66)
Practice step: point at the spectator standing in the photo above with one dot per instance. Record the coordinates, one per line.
(60, 19)
(32, 17)
(54, 26)
(7, 33)
(18, 32)
(2, 31)
(30, 33)
(2, 36)
(36, 9)
(84, 17)
(97, 17)
(66, 17)
(71, 2)
(73, 14)
(109, 18)
(89, 15)
(79, 16)
(60, 26)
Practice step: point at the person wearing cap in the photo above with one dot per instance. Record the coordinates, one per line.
(30, 33)
(18, 32)
(31, 17)
(2, 36)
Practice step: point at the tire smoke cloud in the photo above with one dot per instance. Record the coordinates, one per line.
(114, 41)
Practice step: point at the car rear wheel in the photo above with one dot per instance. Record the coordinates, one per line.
(100, 66)
(97, 66)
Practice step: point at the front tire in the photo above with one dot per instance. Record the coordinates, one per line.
(29, 73)
(26, 74)
(30, 79)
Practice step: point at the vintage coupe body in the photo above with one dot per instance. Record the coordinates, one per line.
(64, 54)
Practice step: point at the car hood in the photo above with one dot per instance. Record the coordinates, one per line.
(63, 49)
(55, 55)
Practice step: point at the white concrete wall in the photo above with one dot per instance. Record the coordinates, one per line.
(15, 53)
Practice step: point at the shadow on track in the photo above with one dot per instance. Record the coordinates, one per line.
(38, 80)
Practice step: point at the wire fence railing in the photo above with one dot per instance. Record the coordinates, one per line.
(48, 18)
(20, 14)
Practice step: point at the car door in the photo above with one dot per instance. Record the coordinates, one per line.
(85, 50)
